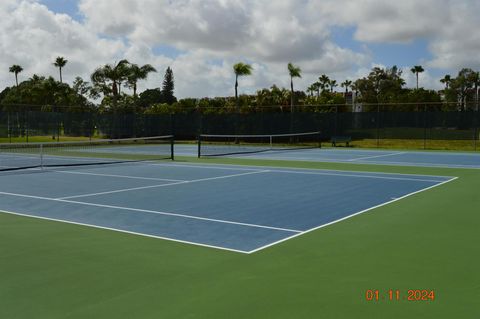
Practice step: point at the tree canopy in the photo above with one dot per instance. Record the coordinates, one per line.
(381, 85)
(168, 87)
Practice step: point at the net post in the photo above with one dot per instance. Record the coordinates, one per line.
(41, 157)
(199, 146)
(172, 148)
(271, 141)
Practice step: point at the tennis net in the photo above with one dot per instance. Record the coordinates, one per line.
(223, 145)
(16, 156)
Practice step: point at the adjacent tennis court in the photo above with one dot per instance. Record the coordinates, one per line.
(243, 209)
(312, 153)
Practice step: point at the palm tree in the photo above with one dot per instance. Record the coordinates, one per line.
(346, 84)
(16, 69)
(108, 78)
(311, 89)
(137, 73)
(474, 78)
(323, 82)
(60, 62)
(295, 72)
(333, 84)
(317, 85)
(446, 80)
(240, 69)
(416, 70)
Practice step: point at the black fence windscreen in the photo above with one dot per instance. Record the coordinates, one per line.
(380, 127)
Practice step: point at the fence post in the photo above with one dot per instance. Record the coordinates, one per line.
(26, 124)
(476, 119)
(58, 115)
(378, 125)
(335, 129)
(424, 126)
(9, 132)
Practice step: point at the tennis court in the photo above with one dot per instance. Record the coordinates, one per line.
(122, 218)
(348, 155)
(237, 208)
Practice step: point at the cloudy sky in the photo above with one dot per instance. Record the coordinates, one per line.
(202, 39)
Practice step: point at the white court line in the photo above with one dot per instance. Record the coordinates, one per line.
(342, 161)
(151, 212)
(357, 175)
(296, 232)
(217, 166)
(349, 216)
(428, 165)
(376, 163)
(120, 176)
(376, 156)
(162, 185)
(127, 232)
(288, 169)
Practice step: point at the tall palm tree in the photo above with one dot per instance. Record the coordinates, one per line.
(447, 79)
(333, 84)
(240, 69)
(474, 78)
(317, 85)
(295, 72)
(60, 62)
(108, 78)
(416, 70)
(324, 81)
(137, 73)
(16, 69)
(346, 84)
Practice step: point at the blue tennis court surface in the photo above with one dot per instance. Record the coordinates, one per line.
(360, 156)
(237, 208)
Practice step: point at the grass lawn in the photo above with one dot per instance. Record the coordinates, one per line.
(426, 241)
(412, 144)
(42, 139)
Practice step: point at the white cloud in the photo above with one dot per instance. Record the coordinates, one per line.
(449, 26)
(32, 36)
(211, 35)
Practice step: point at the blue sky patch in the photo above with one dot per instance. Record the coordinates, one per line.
(167, 50)
(69, 7)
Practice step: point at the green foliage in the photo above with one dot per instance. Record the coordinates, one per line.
(294, 71)
(136, 73)
(326, 98)
(273, 97)
(161, 108)
(416, 70)
(463, 88)
(242, 69)
(422, 96)
(15, 69)
(4, 93)
(168, 87)
(187, 104)
(149, 97)
(381, 86)
(39, 91)
(60, 62)
(108, 78)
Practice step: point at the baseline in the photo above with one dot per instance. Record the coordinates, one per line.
(350, 216)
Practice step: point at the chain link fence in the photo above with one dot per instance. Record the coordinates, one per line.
(382, 126)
